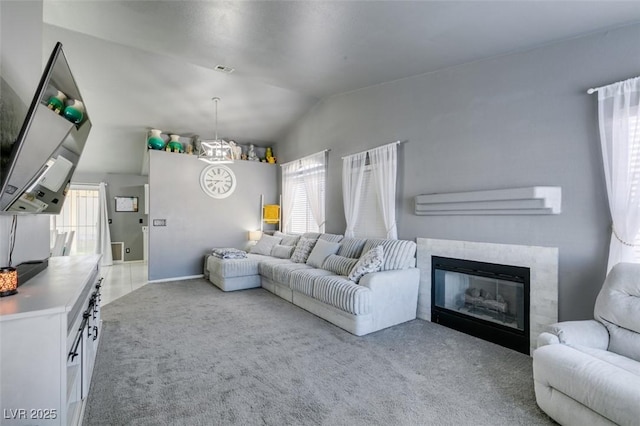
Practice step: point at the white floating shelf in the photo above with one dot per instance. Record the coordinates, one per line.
(532, 200)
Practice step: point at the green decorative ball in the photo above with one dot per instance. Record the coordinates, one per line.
(73, 114)
(175, 146)
(155, 142)
(55, 104)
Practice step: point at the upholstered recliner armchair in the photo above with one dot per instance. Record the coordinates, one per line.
(588, 372)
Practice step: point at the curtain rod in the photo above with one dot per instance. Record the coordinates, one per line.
(305, 157)
(595, 89)
(380, 146)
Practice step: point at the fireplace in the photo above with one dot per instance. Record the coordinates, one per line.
(486, 300)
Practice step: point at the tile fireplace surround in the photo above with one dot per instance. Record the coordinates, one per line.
(542, 262)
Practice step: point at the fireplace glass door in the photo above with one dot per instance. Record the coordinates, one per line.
(486, 300)
(491, 299)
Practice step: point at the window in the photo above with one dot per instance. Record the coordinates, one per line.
(301, 217)
(79, 214)
(369, 192)
(370, 223)
(304, 183)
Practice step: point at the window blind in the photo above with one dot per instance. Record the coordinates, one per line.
(370, 223)
(301, 216)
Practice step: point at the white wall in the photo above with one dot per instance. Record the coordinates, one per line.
(518, 120)
(21, 66)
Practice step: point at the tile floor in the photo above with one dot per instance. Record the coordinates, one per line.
(121, 279)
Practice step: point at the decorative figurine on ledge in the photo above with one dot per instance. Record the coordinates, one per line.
(251, 155)
(269, 156)
(236, 150)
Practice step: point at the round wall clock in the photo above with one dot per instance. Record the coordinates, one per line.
(217, 181)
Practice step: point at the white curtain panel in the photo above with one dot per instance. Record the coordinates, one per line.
(288, 189)
(313, 175)
(384, 164)
(103, 239)
(352, 176)
(619, 120)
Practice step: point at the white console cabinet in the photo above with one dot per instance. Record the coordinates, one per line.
(49, 335)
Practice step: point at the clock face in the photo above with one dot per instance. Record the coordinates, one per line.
(217, 181)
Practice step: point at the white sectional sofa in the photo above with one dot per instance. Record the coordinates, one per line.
(320, 284)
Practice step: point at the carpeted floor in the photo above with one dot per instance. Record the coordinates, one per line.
(186, 353)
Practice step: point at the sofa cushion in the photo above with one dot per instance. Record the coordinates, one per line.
(303, 249)
(287, 239)
(369, 262)
(343, 294)
(611, 358)
(282, 251)
(265, 244)
(312, 235)
(229, 268)
(320, 252)
(334, 238)
(398, 254)
(351, 247)
(339, 265)
(279, 272)
(301, 280)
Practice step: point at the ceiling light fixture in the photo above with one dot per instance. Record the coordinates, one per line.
(218, 150)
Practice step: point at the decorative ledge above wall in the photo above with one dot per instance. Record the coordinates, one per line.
(512, 201)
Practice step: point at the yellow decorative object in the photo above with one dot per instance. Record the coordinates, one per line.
(271, 213)
(269, 156)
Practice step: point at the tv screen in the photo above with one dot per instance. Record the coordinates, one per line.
(38, 160)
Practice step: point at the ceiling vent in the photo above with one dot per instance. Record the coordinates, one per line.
(224, 69)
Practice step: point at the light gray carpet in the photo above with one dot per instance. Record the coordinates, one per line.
(187, 353)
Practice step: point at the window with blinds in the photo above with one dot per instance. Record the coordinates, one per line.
(80, 214)
(302, 219)
(370, 223)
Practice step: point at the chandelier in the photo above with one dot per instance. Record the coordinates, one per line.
(218, 150)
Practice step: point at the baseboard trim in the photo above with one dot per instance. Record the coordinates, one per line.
(188, 277)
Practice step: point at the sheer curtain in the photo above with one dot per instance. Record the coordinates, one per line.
(384, 164)
(103, 238)
(313, 175)
(619, 120)
(288, 194)
(352, 174)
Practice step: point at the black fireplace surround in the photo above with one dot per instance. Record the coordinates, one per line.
(485, 300)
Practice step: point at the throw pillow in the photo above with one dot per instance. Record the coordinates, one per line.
(287, 239)
(265, 245)
(303, 248)
(321, 251)
(282, 251)
(339, 264)
(370, 262)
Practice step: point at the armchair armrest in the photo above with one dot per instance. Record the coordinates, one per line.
(589, 333)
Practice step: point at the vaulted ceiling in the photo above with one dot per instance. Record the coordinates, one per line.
(151, 64)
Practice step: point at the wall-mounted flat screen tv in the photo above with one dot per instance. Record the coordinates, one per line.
(38, 160)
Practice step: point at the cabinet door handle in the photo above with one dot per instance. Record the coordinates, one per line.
(95, 332)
